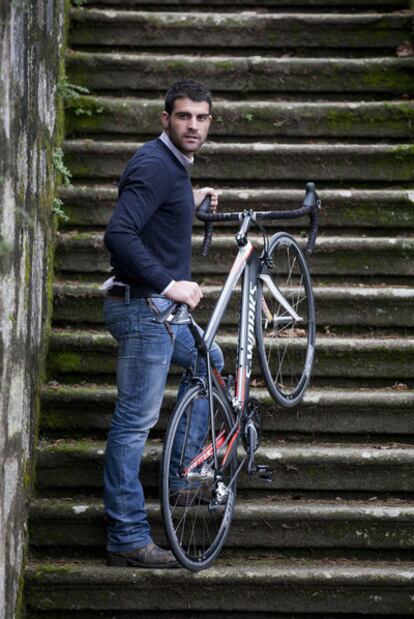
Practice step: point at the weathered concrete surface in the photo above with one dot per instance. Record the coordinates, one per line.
(256, 524)
(342, 208)
(93, 353)
(292, 586)
(140, 72)
(30, 40)
(82, 304)
(85, 253)
(238, 30)
(88, 409)
(359, 467)
(261, 161)
(133, 117)
(189, 614)
(275, 4)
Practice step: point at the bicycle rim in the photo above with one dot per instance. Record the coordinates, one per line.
(196, 529)
(286, 344)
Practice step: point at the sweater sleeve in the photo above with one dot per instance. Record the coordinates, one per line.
(143, 191)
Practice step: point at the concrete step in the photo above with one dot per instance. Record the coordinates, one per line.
(391, 307)
(85, 253)
(290, 586)
(273, 5)
(387, 467)
(93, 353)
(89, 408)
(267, 524)
(131, 72)
(97, 27)
(259, 161)
(342, 208)
(157, 614)
(134, 117)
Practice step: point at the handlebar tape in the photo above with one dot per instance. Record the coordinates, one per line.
(313, 203)
(204, 209)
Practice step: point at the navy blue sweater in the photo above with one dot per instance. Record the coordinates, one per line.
(149, 233)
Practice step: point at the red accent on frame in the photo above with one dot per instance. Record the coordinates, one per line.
(219, 377)
(240, 259)
(206, 453)
(241, 382)
(230, 445)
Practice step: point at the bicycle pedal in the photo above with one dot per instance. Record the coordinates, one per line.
(265, 472)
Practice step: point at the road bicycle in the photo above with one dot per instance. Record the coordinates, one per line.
(215, 428)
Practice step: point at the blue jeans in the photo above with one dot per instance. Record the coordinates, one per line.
(146, 350)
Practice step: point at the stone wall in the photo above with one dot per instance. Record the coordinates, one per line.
(31, 36)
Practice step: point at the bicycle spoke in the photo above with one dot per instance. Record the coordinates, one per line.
(285, 345)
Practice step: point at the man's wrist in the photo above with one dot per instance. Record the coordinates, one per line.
(170, 285)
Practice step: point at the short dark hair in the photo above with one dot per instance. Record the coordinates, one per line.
(196, 91)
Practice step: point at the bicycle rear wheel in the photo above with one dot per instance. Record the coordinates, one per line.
(285, 342)
(195, 520)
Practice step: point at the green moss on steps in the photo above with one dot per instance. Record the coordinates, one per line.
(68, 361)
(41, 569)
(395, 81)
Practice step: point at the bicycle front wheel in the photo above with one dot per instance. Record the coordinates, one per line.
(285, 321)
(197, 508)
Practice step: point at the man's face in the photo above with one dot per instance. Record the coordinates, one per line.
(188, 124)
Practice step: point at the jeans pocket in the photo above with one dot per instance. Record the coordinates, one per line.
(118, 317)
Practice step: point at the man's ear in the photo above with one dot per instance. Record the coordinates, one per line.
(165, 119)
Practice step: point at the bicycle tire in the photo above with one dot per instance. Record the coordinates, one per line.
(195, 533)
(286, 347)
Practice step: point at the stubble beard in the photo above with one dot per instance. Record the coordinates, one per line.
(175, 139)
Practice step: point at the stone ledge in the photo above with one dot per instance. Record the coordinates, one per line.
(289, 586)
(255, 524)
(258, 161)
(133, 117)
(342, 208)
(84, 253)
(243, 29)
(76, 465)
(390, 307)
(114, 71)
(326, 412)
(275, 4)
(94, 352)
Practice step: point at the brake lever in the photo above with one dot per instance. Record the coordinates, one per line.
(177, 314)
(313, 202)
(181, 316)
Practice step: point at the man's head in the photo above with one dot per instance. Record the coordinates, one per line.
(187, 115)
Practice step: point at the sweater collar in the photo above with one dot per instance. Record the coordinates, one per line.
(183, 159)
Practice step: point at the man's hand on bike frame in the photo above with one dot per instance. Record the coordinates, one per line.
(185, 292)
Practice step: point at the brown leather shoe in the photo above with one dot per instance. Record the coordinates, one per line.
(150, 556)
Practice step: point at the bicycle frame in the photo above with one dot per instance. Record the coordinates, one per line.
(248, 264)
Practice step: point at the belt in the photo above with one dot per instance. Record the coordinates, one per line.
(132, 292)
(122, 292)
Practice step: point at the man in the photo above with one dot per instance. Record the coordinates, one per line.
(149, 239)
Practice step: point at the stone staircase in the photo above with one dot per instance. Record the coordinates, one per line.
(304, 90)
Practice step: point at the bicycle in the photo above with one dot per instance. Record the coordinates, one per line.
(200, 466)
